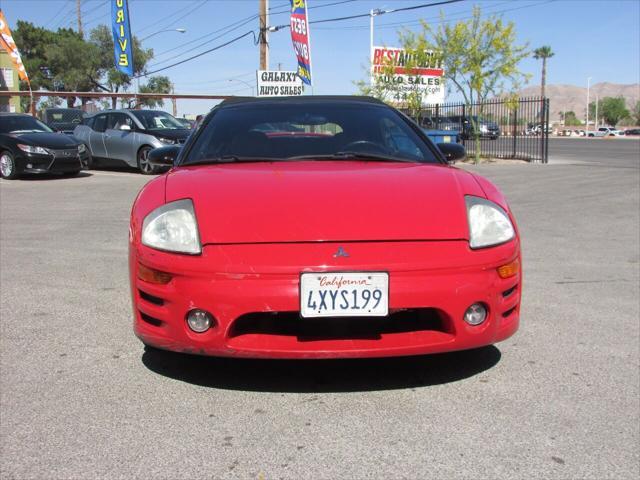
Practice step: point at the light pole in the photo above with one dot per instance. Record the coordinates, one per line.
(179, 30)
(373, 13)
(588, 87)
(242, 81)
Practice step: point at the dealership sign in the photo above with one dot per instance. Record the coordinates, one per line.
(401, 72)
(275, 83)
(301, 38)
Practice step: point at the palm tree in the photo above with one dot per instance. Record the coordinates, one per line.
(543, 53)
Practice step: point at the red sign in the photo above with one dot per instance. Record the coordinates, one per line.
(300, 36)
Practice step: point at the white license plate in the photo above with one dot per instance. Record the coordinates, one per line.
(362, 294)
(446, 139)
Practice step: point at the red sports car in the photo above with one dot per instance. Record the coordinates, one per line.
(319, 227)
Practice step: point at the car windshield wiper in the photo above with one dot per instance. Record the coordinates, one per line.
(378, 157)
(232, 159)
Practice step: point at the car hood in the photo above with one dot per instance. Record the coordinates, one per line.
(171, 133)
(46, 140)
(308, 201)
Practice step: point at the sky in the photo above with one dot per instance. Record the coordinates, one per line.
(591, 38)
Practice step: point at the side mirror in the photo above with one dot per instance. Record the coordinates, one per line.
(452, 152)
(124, 128)
(164, 156)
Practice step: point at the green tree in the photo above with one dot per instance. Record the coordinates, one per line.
(158, 84)
(543, 53)
(635, 114)
(480, 58)
(570, 119)
(610, 109)
(108, 78)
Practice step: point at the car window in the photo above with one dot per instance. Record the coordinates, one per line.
(100, 123)
(397, 141)
(153, 120)
(21, 124)
(88, 121)
(286, 131)
(116, 120)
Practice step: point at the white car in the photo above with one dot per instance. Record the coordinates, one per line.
(611, 132)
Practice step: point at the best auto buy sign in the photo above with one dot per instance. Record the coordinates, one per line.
(425, 76)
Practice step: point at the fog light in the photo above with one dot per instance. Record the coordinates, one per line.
(475, 314)
(29, 165)
(199, 321)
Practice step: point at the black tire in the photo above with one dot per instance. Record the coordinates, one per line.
(143, 163)
(8, 167)
(71, 174)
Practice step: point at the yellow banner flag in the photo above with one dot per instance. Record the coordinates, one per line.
(7, 43)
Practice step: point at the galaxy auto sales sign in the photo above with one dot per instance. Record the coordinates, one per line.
(404, 74)
(275, 83)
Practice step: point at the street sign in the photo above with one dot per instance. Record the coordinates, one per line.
(276, 83)
(408, 76)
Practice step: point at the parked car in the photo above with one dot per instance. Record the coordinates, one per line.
(125, 137)
(442, 136)
(29, 146)
(632, 131)
(63, 120)
(465, 124)
(439, 123)
(611, 132)
(364, 242)
(186, 123)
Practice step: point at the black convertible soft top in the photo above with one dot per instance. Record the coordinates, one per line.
(302, 99)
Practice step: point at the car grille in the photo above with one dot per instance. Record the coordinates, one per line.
(65, 153)
(334, 328)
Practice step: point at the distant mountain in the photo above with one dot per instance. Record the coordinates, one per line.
(566, 98)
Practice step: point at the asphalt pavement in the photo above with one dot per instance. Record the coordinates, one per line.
(80, 397)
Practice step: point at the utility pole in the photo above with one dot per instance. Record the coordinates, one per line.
(586, 127)
(79, 13)
(597, 100)
(263, 39)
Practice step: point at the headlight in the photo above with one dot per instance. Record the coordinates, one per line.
(173, 228)
(31, 149)
(484, 128)
(166, 141)
(82, 148)
(488, 223)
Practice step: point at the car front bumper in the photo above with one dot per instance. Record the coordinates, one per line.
(253, 293)
(59, 161)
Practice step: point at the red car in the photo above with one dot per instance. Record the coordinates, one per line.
(320, 227)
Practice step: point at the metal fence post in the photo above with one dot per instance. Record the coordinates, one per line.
(545, 158)
(515, 131)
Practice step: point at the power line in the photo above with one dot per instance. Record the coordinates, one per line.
(456, 16)
(218, 47)
(368, 14)
(169, 15)
(237, 24)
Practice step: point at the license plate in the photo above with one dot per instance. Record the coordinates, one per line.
(362, 294)
(446, 139)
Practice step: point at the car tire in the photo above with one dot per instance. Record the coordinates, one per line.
(8, 167)
(71, 174)
(143, 161)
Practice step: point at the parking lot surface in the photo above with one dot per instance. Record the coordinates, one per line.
(80, 397)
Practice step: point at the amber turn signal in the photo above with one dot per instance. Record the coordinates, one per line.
(510, 269)
(153, 276)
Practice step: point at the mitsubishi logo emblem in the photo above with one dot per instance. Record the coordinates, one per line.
(340, 253)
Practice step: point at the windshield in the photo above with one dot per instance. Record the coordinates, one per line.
(152, 120)
(21, 124)
(335, 130)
